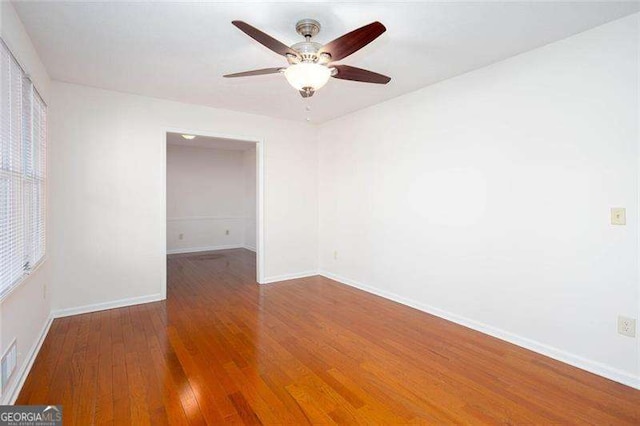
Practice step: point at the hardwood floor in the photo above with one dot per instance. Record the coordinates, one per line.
(223, 349)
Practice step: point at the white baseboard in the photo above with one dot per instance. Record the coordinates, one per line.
(12, 392)
(207, 248)
(285, 277)
(541, 348)
(59, 313)
(253, 249)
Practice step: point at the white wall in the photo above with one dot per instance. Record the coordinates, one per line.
(250, 199)
(485, 198)
(206, 198)
(24, 313)
(109, 210)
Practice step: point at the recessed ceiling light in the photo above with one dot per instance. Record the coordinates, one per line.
(188, 136)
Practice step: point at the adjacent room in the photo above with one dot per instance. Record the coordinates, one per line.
(211, 195)
(319, 212)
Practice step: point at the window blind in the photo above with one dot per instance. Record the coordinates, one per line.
(23, 124)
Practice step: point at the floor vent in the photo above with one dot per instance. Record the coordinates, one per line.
(8, 364)
(209, 257)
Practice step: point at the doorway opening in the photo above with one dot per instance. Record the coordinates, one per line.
(213, 194)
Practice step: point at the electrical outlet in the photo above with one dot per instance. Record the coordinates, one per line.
(618, 216)
(181, 236)
(226, 232)
(335, 255)
(627, 326)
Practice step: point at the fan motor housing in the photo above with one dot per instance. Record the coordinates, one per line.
(308, 51)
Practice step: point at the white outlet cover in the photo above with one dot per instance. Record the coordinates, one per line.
(618, 216)
(627, 326)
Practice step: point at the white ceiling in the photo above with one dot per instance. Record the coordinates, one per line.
(176, 139)
(181, 50)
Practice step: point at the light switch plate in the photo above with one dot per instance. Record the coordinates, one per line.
(618, 216)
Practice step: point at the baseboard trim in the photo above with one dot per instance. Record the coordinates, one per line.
(207, 248)
(96, 307)
(535, 346)
(14, 390)
(253, 249)
(286, 277)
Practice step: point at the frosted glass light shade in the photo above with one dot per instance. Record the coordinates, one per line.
(306, 74)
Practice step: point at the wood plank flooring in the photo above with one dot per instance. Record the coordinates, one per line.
(224, 350)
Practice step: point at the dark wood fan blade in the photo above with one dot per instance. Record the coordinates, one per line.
(265, 39)
(346, 72)
(352, 42)
(255, 72)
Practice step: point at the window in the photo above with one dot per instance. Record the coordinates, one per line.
(23, 134)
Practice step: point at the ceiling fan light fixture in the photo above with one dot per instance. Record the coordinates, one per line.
(306, 75)
(310, 63)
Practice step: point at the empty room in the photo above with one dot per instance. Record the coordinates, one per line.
(211, 196)
(319, 212)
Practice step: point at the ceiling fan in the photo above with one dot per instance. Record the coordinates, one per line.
(310, 63)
